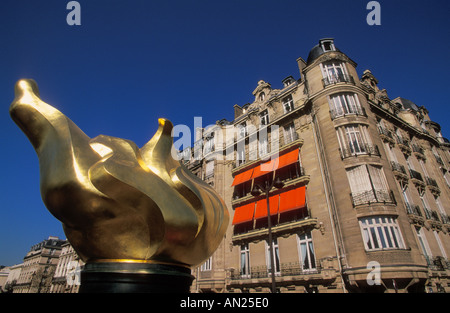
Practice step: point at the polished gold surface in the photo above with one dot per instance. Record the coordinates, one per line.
(116, 201)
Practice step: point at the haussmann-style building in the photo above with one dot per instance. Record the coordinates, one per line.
(39, 266)
(357, 186)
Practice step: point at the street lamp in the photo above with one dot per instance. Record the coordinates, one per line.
(265, 186)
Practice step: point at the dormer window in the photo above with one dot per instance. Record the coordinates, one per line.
(288, 81)
(264, 117)
(327, 45)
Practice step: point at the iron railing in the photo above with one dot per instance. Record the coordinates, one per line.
(413, 209)
(431, 182)
(386, 132)
(285, 269)
(342, 113)
(372, 196)
(431, 215)
(398, 167)
(415, 174)
(359, 149)
(339, 78)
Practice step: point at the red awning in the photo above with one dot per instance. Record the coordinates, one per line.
(244, 213)
(287, 159)
(292, 199)
(262, 169)
(267, 167)
(242, 177)
(261, 207)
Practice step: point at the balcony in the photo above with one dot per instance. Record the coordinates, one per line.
(357, 149)
(372, 196)
(339, 78)
(299, 225)
(413, 209)
(404, 145)
(414, 214)
(433, 186)
(432, 215)
(445, 218)
(399, 171)
(419, 152)
(386, 135)
(286, 269)
(353, 112)
(415, 175)
(438, 263)
(439, 160)
(417, 179)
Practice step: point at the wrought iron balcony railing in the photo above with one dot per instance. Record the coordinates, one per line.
(431, 215)
(431, 182)
(359, 111)
(439, 160)
(359, 149)
(445, 218)
(338, 78)
(415, 174)
(373, 196)
(413, 209)
(284, 269)
(398, 167)
(438, 263)
(386, 132)
(403, 141)
(418, 149)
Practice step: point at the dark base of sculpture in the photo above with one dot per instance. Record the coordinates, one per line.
(134, 277)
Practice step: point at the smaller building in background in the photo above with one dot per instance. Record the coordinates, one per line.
(38, 267)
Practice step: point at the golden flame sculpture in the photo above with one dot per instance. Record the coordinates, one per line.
(115, 201)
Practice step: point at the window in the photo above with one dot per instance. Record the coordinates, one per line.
(441, 246)
(289, 133)
(209, 169)
(306, 252)
(264, 117)
(263, 145)
(334, 72)
(343, 104)
(209, 145)
(288, 104)
(288, 81)
(276, 257)
(240, 155)
(327, 45)
(245, 261)
(355, 140)
(242, 130)
(262, 96)
(381, 232)
(368, 184)
(207, 265)
(423, 242)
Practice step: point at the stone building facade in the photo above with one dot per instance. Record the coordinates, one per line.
(67, 274)
(39, 266)
(358, 187)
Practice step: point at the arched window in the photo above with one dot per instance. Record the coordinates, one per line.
(262, 96)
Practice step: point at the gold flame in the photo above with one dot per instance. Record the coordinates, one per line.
(116, 201)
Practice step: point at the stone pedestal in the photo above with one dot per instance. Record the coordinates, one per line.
(134, 277)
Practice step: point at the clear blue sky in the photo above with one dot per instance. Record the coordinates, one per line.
(131, 62)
